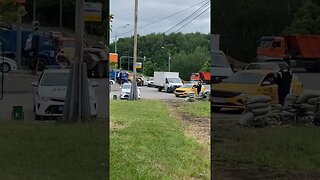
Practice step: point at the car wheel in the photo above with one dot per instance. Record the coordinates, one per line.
(5, 67)
(159, 89)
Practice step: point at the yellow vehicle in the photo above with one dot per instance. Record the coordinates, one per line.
(233, 91)
(187, 88)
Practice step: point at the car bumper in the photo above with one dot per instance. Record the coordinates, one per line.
(55, 109)
(181, 94)
(126, 96)
(235, 102)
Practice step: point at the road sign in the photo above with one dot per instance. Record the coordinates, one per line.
(139, 65)
(92, 12)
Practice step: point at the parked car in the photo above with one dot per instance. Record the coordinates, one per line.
(277, 66)
(233, 91)
(126, 90)
(7, 64)
(150, 82)
(184, 90)
(50, 94)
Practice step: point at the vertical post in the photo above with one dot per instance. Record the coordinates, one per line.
(60, 21)
(144, 59)
(134, 94)
(18, 52)
(34, 9)
(115, 44)
(169, 60)
(79, 47)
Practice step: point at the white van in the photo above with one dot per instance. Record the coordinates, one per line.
(220, 67)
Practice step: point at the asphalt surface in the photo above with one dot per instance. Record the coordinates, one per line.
(19, 92)
(146, 93)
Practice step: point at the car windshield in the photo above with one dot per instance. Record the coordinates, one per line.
(55, 79)
(150, 79)
(174, 80)
(219, 60)
(244, 78)
(187, 86)
(126, 86)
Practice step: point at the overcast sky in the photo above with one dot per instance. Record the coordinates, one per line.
(153, 10)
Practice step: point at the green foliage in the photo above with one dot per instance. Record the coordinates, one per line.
(113, 65)
(189, 63)
(306, 19)
(242, 23)
(9, 11)
(206, 67)
(158, 46)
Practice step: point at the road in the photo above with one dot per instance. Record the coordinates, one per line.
(19, 92)
(146, 93)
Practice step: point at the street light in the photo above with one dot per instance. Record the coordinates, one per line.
(169, 58)
(115, 39)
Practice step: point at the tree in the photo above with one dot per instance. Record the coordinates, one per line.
(149, 68)
(306, 19)
(205, 67)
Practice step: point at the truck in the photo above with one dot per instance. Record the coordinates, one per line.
(119, 76)
(201, 76)
(167, 81)
(220, 67)
(10, 36)
(297, 50)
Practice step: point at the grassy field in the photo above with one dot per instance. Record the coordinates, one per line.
(47, 150)
(285, 149)
(146, 143)
(197, 108)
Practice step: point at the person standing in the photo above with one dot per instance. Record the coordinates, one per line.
(199, 87)
(284, 85)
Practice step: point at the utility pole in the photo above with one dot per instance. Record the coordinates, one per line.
(134, 93)
(169, 60)
(60, 21)
(34, 9)
(144, 59)
(18, 53)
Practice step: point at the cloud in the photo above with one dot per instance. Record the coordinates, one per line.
(153, 10)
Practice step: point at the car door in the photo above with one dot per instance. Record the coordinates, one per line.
(270, 88)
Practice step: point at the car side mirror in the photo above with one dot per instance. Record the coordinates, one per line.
(266, 83)
(95, 84)
(35, 84)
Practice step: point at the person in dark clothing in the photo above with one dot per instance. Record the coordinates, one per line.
(199, 86)
(284, 84)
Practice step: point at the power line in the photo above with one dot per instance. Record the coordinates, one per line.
(164, 18)
(188, 17)
(192, 19)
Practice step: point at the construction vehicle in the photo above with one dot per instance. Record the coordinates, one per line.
(167, 81)
(201, 76)
(297, 50)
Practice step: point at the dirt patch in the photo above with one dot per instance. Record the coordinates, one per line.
(114, 126)
(227, 169)
(196, 127)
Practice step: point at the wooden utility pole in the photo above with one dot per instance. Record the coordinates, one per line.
(134, 93)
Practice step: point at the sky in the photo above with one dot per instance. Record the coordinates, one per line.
(150, 11)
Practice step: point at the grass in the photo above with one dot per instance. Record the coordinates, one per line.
(45, 150)
(146, 143)
(283, 148)
(197, 108)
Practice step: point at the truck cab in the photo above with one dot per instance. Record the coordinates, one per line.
(271, 46)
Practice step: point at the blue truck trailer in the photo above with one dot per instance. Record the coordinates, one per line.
(119, 76)
(10, 36)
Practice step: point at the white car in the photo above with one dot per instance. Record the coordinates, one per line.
(7, 64)
(50, 93)
(150, 82)
(125, 91)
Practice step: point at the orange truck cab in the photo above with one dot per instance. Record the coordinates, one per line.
(201, 76)
(301, 50)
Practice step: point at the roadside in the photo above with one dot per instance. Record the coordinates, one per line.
(268, 153)
(146, 142)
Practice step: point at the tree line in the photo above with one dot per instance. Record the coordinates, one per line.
(188, 52)
(242, 23)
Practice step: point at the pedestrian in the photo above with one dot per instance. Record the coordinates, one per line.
(284, 85)
(199, 87)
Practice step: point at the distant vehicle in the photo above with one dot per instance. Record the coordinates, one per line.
(150, 82)
(7, 64)
(301, 50)
(220, 67)
(206, 89)
(277, 66)
(126, 90)
(10, 49)
(184, 90)
(234, 91)
(167, 81)
(119, 76)
(50, 94)
(201, 76)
